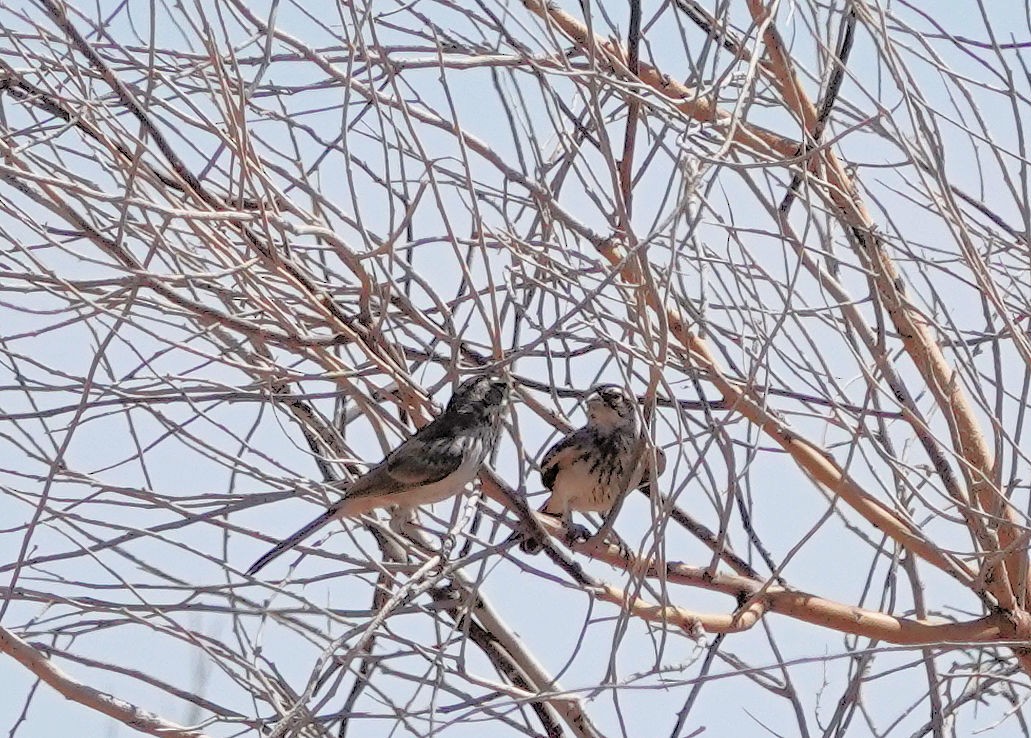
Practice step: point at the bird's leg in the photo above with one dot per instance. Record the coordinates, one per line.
(404, 522)
(607, 520)
(642, 477)
(608, 537)
(447, 546)
(575, 532)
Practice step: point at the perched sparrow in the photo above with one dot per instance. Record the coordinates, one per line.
(590, 469)
(437, 462)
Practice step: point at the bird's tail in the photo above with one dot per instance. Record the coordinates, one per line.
(287, 543)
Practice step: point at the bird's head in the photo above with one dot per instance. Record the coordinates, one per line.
(480, 395)
(611, 406)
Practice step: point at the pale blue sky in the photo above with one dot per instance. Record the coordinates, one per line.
(786, 504)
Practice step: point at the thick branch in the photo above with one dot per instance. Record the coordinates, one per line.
(74, 690)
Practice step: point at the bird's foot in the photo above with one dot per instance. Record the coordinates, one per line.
(576, 533)
(604, 540)
(447, 547)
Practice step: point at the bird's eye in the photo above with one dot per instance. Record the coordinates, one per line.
(495, 394)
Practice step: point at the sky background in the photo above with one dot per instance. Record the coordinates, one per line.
(178, 594)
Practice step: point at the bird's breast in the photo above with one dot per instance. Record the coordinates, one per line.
(590, 483)
(595, 474)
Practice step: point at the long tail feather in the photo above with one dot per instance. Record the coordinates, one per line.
(287, 543)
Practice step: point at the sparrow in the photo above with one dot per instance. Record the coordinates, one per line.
(438, 461)
(591, 468)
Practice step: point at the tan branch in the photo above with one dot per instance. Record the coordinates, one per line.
(758, 599)
(916, 332)
(818, 611)
(807, 455)
(76, 691)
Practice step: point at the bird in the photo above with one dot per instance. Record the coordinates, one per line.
(435, 463)
(591, 468)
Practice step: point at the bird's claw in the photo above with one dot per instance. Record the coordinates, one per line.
(447, 546)
(576, 533)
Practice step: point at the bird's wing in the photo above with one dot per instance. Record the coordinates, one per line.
(425, 460)
(419, 460)
(559, 456)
